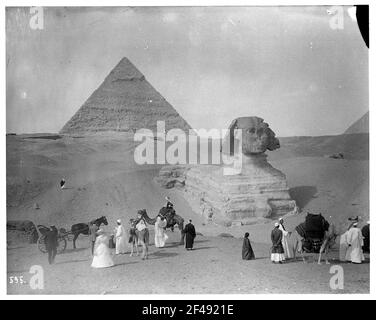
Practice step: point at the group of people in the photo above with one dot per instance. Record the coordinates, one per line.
(280, 247)
(354, 242)
(123, 240)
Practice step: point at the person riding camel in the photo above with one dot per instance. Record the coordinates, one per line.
(170, 211)
(169, 204)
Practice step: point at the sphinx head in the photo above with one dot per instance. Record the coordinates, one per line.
(257, 137)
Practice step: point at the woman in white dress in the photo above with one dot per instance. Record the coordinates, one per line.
(121, 238)
(160, 235)
(102, 254)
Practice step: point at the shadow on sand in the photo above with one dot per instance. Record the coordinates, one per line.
(67, 251)
(203, 248)
(303, 195)
(72, 261)
(161, 255)
(177, 244)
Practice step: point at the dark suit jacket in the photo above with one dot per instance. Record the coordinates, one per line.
(51, 239)
(276, 238)
(93, 232)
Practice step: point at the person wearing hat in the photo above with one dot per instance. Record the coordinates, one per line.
(51, 241)
(285, 235)
(160, 236)
(190, 235)
(121, 238)
(169, 204)
(247, 251)
(354, 239)
(143, 234)
(277, 254)
(102, 254)
(343, 245)
(93, 228)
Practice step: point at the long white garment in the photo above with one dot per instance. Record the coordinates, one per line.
(277, 257)
(343, 247)
(121, 240)
(160, 235)
(285, 243)
(102, 254)
(354, 239)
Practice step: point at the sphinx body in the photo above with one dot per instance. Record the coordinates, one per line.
(248, 191)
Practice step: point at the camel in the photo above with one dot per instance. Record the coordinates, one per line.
(172, 220)
(320, 246)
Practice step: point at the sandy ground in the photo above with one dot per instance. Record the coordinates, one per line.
(103, 179)
(214, 267)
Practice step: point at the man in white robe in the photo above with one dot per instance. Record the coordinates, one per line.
(354, 239)
(121, 238)
(285, 237)
(343, 245)
(160, 236)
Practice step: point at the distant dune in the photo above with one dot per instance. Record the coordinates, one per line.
(352, 146)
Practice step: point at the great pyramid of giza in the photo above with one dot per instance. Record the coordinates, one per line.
(125, 101)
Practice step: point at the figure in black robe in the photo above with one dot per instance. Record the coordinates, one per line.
(365, 234)
(190, 235)
(51, 242)
(247, 251)
(277, 254)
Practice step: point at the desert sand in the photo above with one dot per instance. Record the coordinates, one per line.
(103, 179)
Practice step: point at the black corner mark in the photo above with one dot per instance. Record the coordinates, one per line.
(362, 16)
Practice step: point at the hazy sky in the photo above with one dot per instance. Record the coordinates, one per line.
(213, 64)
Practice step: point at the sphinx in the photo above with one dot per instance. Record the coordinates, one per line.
(249, 191)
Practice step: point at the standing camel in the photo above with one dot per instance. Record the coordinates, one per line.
(171, 217)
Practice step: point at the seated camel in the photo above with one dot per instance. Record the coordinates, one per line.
(302, 243)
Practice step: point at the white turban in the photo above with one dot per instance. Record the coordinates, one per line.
(118, 221)
(276, 224)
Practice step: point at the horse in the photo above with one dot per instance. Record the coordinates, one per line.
(83, 228)
(323, 244)
(133, 236)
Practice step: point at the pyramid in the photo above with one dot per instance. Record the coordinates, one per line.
(359, 126)
(125, 101)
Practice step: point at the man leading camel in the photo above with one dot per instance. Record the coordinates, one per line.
(143, 234)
